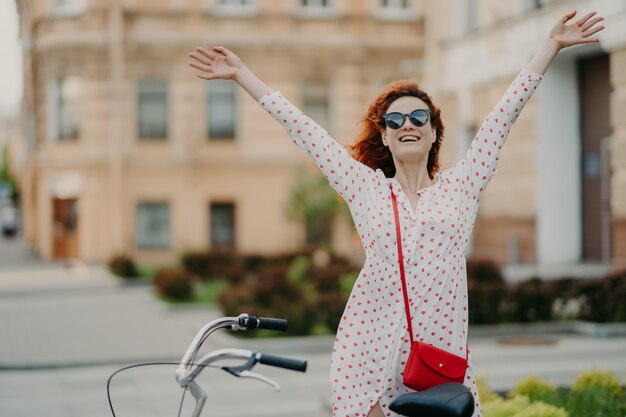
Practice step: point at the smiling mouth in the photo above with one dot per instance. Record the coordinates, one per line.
(409, 138)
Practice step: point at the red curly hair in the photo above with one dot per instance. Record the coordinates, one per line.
(368, 147)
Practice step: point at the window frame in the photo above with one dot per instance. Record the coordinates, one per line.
(58, 110)
(68, 9)
(213, 241)
(394, 10)
(322, 9)
(236, 8)
(139, 242)
(309, 91)
(233, 102)
(141, 134)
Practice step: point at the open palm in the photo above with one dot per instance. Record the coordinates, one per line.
(218, 64)
(576, 33)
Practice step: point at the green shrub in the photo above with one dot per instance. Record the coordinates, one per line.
(541, 409)
(500, 407)
(596, 393)
(214, 264)
(615, 296)
(271, 294)
(207, 292)
(598, 378)
(174, 283)
(486, 290)
(536, 389)
(123, 266)
(528, 301)
(484, 392)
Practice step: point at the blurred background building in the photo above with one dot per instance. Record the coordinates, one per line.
(125, 151)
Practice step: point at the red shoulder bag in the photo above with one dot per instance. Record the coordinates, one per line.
(427, 365)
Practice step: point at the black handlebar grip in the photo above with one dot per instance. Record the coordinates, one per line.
(282, 362)
(272, 324)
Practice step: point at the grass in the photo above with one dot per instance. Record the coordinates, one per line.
(207, 292)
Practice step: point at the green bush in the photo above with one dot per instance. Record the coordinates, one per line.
(541, 409)
(271, 294)
(598, 379)
(484, 392)
(596, 393)
(492, 301)
(214, 264)
(486, 290)
(536, 389)
(500, 407)
(290, 286)
(528, 301)
(123, 266)
(603, 300)
(174, 283)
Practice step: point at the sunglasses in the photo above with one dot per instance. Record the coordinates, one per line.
(395, 120)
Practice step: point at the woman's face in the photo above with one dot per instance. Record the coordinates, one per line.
(409, 142)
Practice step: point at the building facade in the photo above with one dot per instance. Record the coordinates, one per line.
(128, 152)
(559, 198)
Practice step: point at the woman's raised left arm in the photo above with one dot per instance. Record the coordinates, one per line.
(563, 35)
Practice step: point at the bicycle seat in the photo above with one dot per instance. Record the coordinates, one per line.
(446, 400)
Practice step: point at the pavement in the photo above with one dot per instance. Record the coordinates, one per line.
(66, 328)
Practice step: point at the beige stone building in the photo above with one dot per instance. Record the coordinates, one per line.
(129, 152)
(126, 151)
(558, 201)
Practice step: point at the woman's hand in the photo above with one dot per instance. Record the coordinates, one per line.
(218, 64)
(222, 64)
(564, 35)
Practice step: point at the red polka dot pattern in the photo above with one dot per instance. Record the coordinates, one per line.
(372, 342)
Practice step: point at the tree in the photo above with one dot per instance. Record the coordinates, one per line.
(315, 204)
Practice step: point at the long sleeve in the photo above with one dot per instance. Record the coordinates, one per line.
(481, 159)
(347, 176)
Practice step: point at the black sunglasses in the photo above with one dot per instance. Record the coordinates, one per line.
(395, 120)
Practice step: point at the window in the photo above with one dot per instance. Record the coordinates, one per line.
(530, 5)
(235, 3)
(236, 8)
(152, 109)
(396, 4)
(397, 10)
(315, 3)
(222, 225)
(64, 108)
(316, 9)
(221, 109)
(152, 225)
(316, 102)
(68, 7)
(467, 16)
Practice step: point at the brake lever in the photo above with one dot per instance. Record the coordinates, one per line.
(259, 377)
(243, 371)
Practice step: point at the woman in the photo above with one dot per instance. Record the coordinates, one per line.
(398, 149)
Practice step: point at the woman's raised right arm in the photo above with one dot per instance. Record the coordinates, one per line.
(222, 64)
(347, 176)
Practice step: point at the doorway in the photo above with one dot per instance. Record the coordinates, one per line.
(64, 228)
(595, 128)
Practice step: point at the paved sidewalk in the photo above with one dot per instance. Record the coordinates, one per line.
(65, 330)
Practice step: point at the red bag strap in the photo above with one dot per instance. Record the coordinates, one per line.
(401, 266)
(401, 263)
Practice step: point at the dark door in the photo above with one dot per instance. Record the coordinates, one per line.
(595, 90)
(65, 228)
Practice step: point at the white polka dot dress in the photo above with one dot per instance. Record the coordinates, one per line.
(372, 342)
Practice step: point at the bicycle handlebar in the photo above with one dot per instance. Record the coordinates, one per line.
(266, 323)
(241, 322)
(282, 362)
